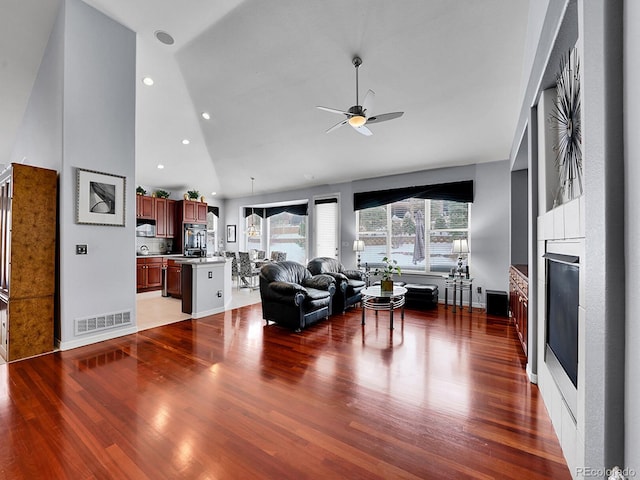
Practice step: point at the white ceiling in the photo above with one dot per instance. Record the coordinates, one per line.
(260, 68)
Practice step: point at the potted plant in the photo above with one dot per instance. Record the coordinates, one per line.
(193, 194)
(162, 194)
(386, 273)
(140, 191)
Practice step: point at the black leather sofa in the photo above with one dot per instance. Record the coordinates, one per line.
(349, 283)
(293, 297)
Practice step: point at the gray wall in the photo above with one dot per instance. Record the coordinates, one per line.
(632, 230)
(519, 217)
(489, 216)
(81, 113)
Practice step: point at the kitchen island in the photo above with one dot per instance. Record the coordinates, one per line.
(206, 285)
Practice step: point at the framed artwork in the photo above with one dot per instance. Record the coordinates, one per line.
(100, 198)
(231, 234)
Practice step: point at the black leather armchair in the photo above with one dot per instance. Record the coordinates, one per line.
(292, 297)
(349, 283)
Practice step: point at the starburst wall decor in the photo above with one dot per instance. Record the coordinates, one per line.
(566, 118)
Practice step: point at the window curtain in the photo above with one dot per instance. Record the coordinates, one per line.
(300, 209)
(454, 191)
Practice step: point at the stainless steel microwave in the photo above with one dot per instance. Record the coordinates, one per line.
(145, 228)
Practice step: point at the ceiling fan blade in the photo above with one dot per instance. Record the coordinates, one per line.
(368, 102)
(333, 110)
(363, 130)
(337, 125)
(384, 117)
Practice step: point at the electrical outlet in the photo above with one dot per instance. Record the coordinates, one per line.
(479, 289)
(81, 249)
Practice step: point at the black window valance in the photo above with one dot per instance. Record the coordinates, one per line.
(454, 191)
(299, 209)
(214, 210)
(257, 211)
(326, 200)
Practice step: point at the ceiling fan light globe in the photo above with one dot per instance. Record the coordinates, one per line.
(357, 121)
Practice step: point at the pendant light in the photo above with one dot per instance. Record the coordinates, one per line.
(252, 231)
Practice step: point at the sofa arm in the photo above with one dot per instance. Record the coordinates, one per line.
(354, 274)
(287, 288)
(322, 281)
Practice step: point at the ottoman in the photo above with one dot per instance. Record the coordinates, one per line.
(421, 296)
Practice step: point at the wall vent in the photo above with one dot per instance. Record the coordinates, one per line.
(99, 323)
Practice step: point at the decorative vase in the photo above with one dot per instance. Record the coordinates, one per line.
(202, 199)
(186, 196)
(386, 286)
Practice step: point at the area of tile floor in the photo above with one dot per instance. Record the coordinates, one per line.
(154, 310)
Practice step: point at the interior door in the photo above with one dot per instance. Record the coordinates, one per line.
(327, 221)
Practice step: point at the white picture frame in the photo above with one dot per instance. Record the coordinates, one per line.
(100, 198)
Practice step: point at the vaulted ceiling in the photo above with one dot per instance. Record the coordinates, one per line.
(260, 68)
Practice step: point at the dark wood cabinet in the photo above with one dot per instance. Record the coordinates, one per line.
(145, 207)
(165, 217)
(174, 280)
(161, 217)
(519, 301)
(149, 273)
(194, 212)
(171, 219)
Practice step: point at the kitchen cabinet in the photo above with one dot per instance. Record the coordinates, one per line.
(149, 274)
(519, 301)
(165, 217)
(194, 212)
(174, 280)
(28, 204)
(145, 207)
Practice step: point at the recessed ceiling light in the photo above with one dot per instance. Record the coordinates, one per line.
(148, 81)
(164, 37)
(213, 193)
(186, 141)
(206, 115)
(160, 166)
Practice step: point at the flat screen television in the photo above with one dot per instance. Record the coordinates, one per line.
(563, 286)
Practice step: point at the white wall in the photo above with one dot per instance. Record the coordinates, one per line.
(489, 217)
(632, 230)
(81, 113)
(99, 134)
(39, 139)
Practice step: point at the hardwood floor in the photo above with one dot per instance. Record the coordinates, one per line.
(443, 396)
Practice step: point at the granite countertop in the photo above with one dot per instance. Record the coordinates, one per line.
(160, 255)
(198, 260)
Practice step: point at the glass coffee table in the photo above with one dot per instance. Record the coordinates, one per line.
(374, 299)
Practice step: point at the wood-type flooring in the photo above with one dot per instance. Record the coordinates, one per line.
(444, 395)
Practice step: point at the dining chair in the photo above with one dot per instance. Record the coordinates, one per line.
(246, 271)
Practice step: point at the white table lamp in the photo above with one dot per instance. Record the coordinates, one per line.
(460, 246)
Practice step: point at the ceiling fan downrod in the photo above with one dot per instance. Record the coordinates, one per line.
(357, 61)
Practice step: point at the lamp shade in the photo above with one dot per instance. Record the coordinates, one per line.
(460, 246)
(358, 245)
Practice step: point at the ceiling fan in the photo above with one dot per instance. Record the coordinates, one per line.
(357, 115)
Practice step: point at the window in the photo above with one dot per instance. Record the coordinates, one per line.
(288, 233)
(417, 233)
(327, 227)
(254, 242)
(283, 232)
